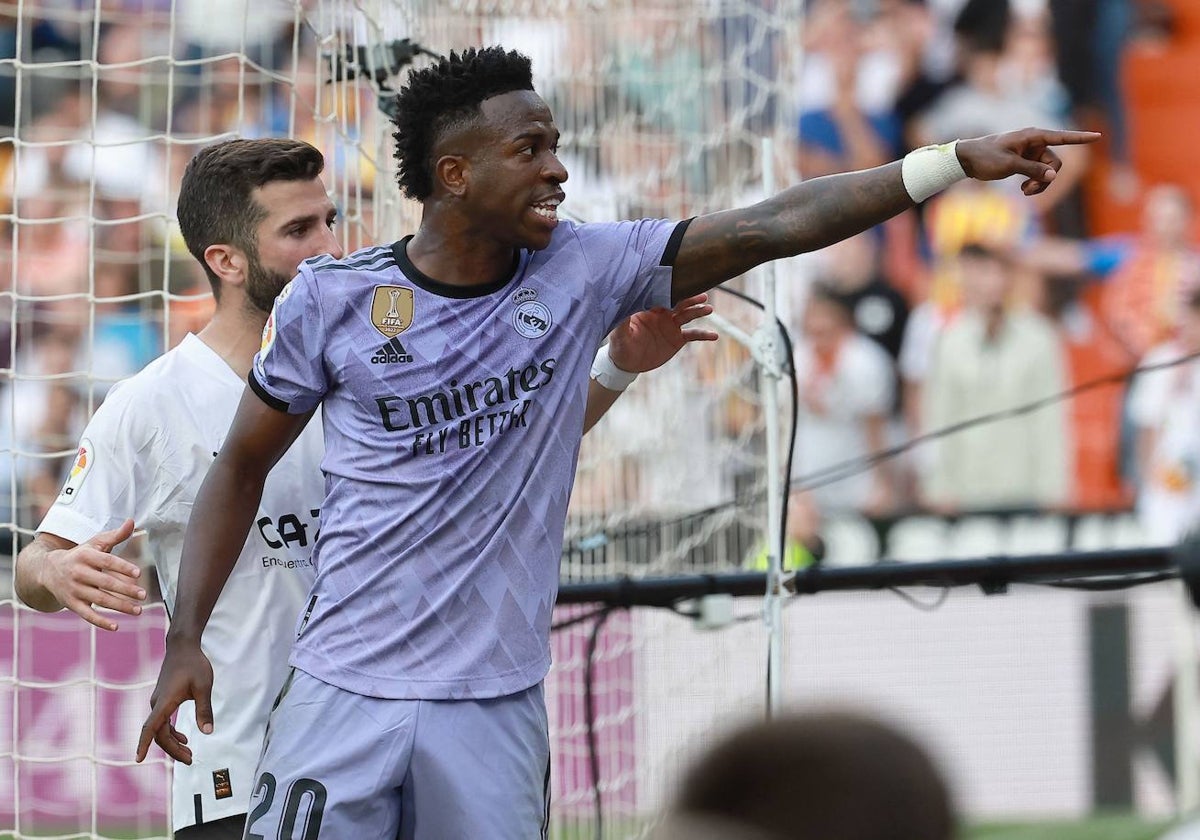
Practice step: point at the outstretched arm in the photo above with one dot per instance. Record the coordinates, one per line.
(817, 213)
(643, 342)
(53, 573)
(221, 518)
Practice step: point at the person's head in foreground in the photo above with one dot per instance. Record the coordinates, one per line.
(813, 776)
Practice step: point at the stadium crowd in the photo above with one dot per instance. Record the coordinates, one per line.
(977, 302)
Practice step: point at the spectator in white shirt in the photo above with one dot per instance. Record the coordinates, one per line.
(847, 387)
(993, 357)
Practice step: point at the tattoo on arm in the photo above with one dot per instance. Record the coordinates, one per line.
(806, 217)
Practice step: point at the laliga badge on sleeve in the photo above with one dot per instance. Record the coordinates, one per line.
(80, 468)
(268, 341)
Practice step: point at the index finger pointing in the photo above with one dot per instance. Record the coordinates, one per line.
(1067, 138)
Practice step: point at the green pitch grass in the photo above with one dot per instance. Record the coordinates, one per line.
(1117, 827)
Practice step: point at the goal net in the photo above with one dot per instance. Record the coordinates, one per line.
(662, 107)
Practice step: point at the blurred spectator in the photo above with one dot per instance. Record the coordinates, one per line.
(260, 30)
(803, 545)
(1165, 410)
(847, 390)
(1003, 86)
(924, 51)
(125, 335)
(848, 121)
(813, 776)
(36, 418)
(51, 249)
(660, 81)
(1150, 276)
(1146, 278)
(853, 269)
(847, 93)
(968, 212)
(113, 150)
(660, 74)
(992, 357)
(1147, 275)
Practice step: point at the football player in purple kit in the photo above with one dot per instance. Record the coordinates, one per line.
(415, 707)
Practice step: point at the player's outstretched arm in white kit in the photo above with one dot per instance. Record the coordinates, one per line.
(53, 573)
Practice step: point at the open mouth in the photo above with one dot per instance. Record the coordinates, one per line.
(548, 209)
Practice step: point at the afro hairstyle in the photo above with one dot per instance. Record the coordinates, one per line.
(445, 94)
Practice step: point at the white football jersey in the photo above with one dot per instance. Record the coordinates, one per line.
(144, 455)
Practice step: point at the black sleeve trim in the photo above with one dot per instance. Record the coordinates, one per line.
(672, 249)
(257, 388)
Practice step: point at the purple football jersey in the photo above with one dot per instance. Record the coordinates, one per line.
(452, 420)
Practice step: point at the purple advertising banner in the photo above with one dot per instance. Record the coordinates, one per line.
(73, 698)
(72, 702)
(613, 710)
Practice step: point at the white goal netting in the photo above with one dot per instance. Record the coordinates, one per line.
(662, 106)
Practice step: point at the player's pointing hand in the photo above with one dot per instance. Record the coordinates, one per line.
(185, 675)
(1025, 152)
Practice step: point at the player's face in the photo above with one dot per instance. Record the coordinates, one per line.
(299, 225)
(516, 176)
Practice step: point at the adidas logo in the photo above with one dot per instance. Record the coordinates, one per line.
(391, 353)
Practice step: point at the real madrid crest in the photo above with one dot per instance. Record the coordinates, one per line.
(392, 310)
(531, 318)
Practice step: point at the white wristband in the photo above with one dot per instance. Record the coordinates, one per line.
(930, 169)
(606, 372)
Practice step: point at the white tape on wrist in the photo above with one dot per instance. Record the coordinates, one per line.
(606, 372)
(930, 169)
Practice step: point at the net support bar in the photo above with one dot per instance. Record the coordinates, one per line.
(992, 574)
(769, 355)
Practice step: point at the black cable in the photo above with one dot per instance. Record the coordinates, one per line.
(579, 619)
(923, 606)
(854, 466)
(790, 367)
(1109, 584)
(589, 713)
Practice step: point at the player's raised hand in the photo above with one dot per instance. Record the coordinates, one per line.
(650, 339)
(1025, 152)
(186, 674)
(88, 576)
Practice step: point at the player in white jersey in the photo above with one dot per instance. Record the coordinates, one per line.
(414, 708)
(250, 211)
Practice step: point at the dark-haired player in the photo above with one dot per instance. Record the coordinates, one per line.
(415, 703)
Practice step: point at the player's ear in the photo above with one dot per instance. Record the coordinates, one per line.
(453, 172)
(229, 263)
